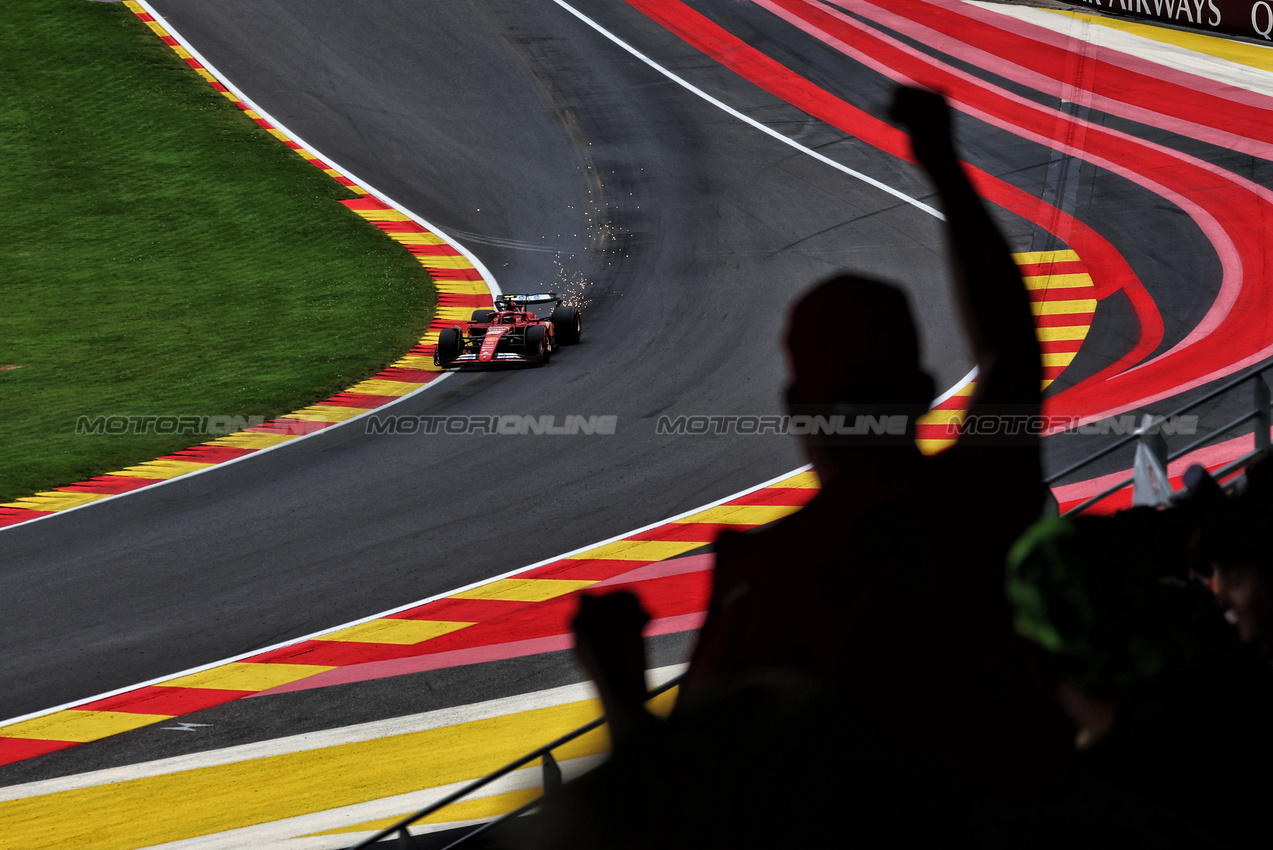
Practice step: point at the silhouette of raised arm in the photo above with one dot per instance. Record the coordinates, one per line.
(992, 299)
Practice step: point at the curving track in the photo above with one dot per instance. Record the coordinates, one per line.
(515, 126)
(557, 157)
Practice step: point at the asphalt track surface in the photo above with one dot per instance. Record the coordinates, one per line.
(559, 160)
(553, 153)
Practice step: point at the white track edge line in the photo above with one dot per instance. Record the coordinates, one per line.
(690, 87)
(670, 75)
(372, 730)
(313, 635)
(487, 278)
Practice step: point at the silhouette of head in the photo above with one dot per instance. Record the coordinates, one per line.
(1235, 541)
(852, 344)
(1088, 592)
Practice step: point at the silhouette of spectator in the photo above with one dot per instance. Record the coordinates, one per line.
(1165, 717)
(888, 586)
(775, 765)
(889, 582)
(1237, 546)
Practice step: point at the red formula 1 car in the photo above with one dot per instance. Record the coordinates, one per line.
(514, 332)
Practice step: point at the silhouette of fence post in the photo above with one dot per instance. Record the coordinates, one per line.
(1262, 422)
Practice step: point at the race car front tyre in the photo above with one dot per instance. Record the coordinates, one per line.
(567, 325)
(448, 346)
(482, 316)
(537, 343)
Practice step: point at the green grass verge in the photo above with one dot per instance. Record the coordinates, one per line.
(162, 255)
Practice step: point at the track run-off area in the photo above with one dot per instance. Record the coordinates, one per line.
(300, 648)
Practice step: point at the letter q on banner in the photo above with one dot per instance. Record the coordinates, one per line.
(1262, 11)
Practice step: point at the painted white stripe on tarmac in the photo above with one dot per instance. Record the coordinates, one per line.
(313, 635)
(1224, 71)
(670, 75)
(288, 832)
(328, 738)
(279, 125)
(487, 278)
(768, 131)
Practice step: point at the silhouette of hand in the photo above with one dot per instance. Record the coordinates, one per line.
(927, 116)
(608, 639)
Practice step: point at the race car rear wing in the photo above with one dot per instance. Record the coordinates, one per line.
(540, 298)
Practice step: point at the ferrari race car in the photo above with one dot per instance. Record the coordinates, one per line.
(519, 330)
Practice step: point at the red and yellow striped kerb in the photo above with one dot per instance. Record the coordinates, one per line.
(526, 613)
(1063, 300)
(461, 288)
(531, 609)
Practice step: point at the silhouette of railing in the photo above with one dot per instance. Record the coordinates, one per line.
(552, 784)
(1150, 435)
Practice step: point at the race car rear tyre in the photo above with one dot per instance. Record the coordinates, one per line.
(448, 345)
(567, 325)
(482, 316)
(537, 343)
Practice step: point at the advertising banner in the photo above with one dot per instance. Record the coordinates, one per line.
(1251, 18)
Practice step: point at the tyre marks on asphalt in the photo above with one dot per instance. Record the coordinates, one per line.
(521, 615)
(391, 644)
(461, 286)
(1110, 269)
(529, 612)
